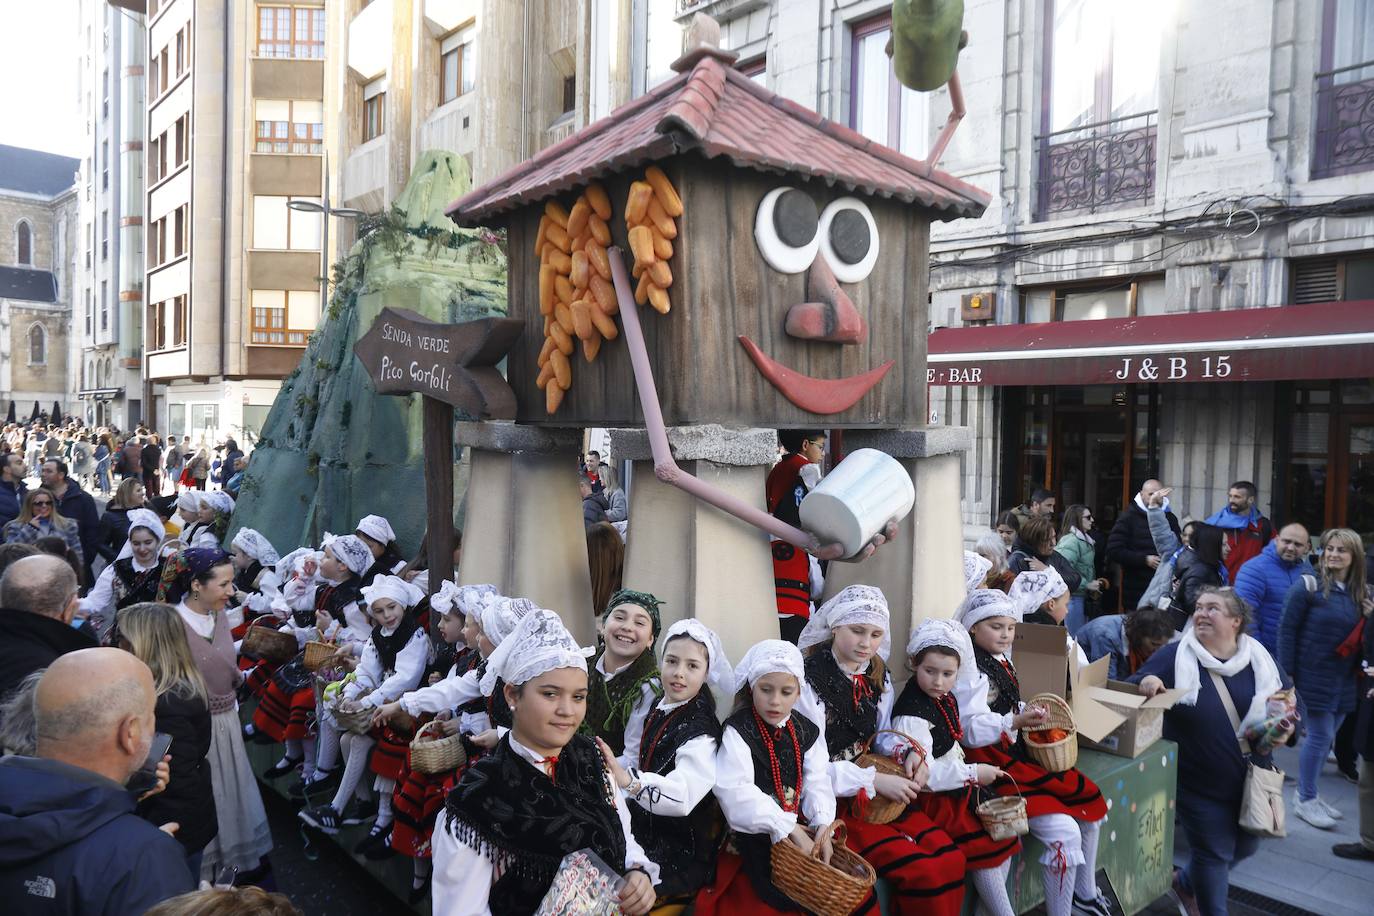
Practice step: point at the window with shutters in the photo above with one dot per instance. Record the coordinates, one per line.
(1340, 278)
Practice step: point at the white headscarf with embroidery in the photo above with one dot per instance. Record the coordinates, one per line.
(395, 588)
(772, 656)
(951, 635)
(863, 604)
(719, 674)
(142, 518)
(983, 603)
(256, 546)
(349, 550)
(377, 528)
(976, 568)
(539, 644)
(1033, 588)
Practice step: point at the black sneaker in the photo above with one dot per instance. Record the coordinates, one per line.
(324, 819)
(1353, 851)
(359, 812)
(377, 836)
(1097, 906)
(317, 787)
(282, 767)
(1349, 770)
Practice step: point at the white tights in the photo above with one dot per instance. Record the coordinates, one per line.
(1070, 859)
(356, 749)
(991, 885)
(384, 787)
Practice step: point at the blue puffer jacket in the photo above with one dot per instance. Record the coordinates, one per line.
(1313, 625)
(1264, 582)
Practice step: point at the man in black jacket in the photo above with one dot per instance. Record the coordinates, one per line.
(1131, 545)
(12, 489)
(70, 841)
(37, 603)
(76, 504)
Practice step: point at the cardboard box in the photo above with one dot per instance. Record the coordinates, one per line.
(1144, 723)
(1047, 661)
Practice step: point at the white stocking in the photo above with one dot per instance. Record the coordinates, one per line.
(309, 748)
(293, 752)
(991, 885)
(328, 751)
(357, 748)
(1059, 889)
(1085, 882)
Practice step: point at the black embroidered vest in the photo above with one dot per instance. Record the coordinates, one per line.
(847, 724)
(609, 704)
(1004, 691)
(383, 565)
(508, 809)
(245, 580)
(685, 848)
(131, 586)
(916, 702)
(331, 598)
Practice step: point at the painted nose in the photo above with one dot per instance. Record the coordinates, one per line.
(828, 314)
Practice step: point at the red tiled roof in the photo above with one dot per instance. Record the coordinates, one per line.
(715, 110)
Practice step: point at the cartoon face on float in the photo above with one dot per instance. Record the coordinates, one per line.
(790, 288)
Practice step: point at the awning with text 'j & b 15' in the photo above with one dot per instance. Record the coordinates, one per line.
(1321, 340)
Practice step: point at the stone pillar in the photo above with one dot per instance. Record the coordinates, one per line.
(922, 571)
(701, 562)
(523, 531)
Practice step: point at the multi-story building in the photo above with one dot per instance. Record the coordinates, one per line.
(491, 80)
(37, 229)
(236, 129)
(108, 299)
(1169, 279)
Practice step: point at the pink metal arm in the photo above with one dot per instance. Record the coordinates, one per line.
(956, 99)
(665, 467)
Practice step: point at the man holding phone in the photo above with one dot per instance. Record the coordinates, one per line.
(70, 841)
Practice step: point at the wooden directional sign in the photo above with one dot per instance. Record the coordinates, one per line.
(406, 353)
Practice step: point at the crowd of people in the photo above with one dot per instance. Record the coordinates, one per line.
(341, 653)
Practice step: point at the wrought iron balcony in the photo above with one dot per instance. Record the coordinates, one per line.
(721, 10)
(1103, 166)
(1345, 121)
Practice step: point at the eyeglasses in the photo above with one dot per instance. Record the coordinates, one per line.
(45, 502)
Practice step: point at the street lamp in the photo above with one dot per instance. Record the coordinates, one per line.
(326, 211)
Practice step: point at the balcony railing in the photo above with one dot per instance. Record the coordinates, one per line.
(1103, 166)
(1345, 121)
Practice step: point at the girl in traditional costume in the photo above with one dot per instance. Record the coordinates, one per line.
(542, 793)
(623, 682)
(133, 577)
(375, 531)
(256, 583)
(849, 694)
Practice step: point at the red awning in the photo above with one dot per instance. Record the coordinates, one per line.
(1317, 341)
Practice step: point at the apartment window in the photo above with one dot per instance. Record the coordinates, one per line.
(153, 71)
(157, 326)
(105, 93)
(23, 244)
(154, 168)
(1097, 126)
(1344, 139)
(181, 52)
(569, 93)
(284, 317)
(457, 65)
(1346, 278)
(374, 109)
(104, 305)
(179, 232)
(757, 69)
(1129, 297)
(291, 31)
(104, 235)
(164, 70)
(277, 226)
(179, 321)
(881, 108)
(289, 126)
(38, 345)
(105, 164)
(179, 132)
(90, 314)
(90, 244)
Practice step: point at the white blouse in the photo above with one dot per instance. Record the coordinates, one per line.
(947, 773)
(634, 725)
(846, 777)
(202, 624)
(676, 793)
(381, 687)
(748, 809)
(101, 598)
(450, 693)
(463, 876)
(982, 726)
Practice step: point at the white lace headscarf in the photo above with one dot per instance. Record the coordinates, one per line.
(189, 500)
(983, 603)
(719, 674)
(864, 604)
(143, 518)
(256, 546)
(939, 632)
(377, 528)
(769, 657)
(976, 568)
(465, 599)
(500, 618)
(1033, 588)
(349, 550)
(539, 644)
(395, 588)
(219, 501)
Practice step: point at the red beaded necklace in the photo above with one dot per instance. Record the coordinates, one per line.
(647, 754)
(1011, 672)
(956, 728)
(778, 790)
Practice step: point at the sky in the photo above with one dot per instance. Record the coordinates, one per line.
(39, 51)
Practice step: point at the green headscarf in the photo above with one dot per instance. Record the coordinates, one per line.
(641, 599)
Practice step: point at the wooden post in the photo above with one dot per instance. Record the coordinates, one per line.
(438, 447)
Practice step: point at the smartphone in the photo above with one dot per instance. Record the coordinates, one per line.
(145, 777)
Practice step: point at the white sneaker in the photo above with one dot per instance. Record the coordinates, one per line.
(1314, 813)
(1330, 808)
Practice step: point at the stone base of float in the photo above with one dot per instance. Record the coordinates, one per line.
(921, 572)
(524, 531)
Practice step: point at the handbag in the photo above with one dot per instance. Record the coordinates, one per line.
(1261, 803)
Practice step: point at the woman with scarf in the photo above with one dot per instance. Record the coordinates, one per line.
(133, 577)
(322, 597)
(198, 582)
(623, 682)
(542, 793)
(1214, 655)
(848, 693)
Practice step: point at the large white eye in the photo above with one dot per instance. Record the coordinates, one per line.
(849, 239)
(786, 230)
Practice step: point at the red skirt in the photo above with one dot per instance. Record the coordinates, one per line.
(732, 893)
(417, 801)
(917, 858)
(258, 675)
(1069, 792)
(950, 812)
(285, 717)
(391, 754)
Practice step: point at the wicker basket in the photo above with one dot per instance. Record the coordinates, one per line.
(1060, 755)
(436, 754)
(1004, 817)
(268, 644)
(359, 722)
(827, 890)
(884, 810)
(318, 654)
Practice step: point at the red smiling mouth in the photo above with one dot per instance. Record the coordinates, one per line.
(815, 395)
